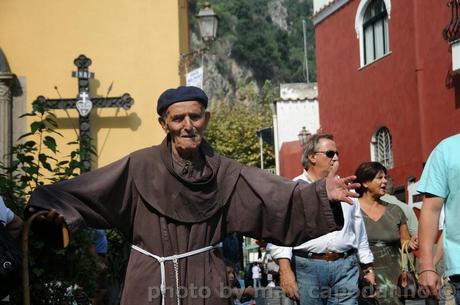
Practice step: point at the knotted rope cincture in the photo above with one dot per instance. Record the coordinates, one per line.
(175, 259)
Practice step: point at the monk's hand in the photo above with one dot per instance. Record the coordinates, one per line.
(287, 279)
(51, 216)
(341, 189)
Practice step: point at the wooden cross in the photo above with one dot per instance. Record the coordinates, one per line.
(83, 103)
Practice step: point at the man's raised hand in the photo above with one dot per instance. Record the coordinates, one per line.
(341, 189)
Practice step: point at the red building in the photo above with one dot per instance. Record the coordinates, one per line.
(385, 81)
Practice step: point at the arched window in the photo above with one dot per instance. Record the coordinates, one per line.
(382, 147)
(371, 25)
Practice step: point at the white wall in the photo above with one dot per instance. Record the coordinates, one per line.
(293, 115)
(297, 107)
(318, 4)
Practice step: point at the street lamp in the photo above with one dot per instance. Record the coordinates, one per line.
(303, 136)
(207, 21)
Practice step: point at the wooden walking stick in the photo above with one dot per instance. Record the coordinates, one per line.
(25, 253)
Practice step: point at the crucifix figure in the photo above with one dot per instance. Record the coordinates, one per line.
(83, 103)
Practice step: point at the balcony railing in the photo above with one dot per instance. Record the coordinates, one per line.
(452, 31)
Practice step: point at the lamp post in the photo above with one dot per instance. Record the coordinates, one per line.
(207, 21)
(303, 136)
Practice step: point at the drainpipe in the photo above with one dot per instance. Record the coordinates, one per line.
(419, 74)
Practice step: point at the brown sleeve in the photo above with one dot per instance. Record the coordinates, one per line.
(101, 198)
(264, 206)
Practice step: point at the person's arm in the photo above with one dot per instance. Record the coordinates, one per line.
(366, 258)
(288, 283)
(287, 279)
(428, 231)
(405, 236)
(15, 226)
(438, 255)
(101, 198)
(280, 211)
(412, 222)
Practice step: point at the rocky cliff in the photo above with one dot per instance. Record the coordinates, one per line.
(258, 41)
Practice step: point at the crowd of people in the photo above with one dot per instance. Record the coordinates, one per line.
(175, 202)
(373, 235)
(329, 269)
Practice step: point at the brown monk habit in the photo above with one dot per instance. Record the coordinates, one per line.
(163, 213)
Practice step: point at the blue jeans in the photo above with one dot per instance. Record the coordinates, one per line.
(324, 282)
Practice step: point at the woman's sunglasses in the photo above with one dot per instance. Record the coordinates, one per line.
(329, 153)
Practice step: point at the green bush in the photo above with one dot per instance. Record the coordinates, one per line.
(36, 160)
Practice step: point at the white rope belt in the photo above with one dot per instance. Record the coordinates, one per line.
(174, 259)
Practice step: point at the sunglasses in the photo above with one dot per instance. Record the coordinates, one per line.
(329, 153)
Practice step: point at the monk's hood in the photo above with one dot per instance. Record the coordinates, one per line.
(172, 195)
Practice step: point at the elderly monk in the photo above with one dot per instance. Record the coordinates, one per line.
(176, 201)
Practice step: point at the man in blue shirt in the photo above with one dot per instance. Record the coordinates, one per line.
(440, 182)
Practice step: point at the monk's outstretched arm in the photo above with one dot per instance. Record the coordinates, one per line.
(264, 206)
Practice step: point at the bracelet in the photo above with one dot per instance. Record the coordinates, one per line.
(428, 270)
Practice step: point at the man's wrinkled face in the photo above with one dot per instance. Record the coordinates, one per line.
(185, 122)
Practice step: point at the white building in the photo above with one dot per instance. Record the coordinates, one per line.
(297, 107)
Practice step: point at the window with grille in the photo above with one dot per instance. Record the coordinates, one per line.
(375, 42)
(382, 147)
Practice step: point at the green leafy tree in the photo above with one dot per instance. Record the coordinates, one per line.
(233, 127)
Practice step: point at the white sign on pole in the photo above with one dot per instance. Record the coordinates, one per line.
(195, 78)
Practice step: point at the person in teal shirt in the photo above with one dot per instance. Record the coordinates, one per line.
(440, 183)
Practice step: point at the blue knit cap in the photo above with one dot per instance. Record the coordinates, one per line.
(180, 94)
